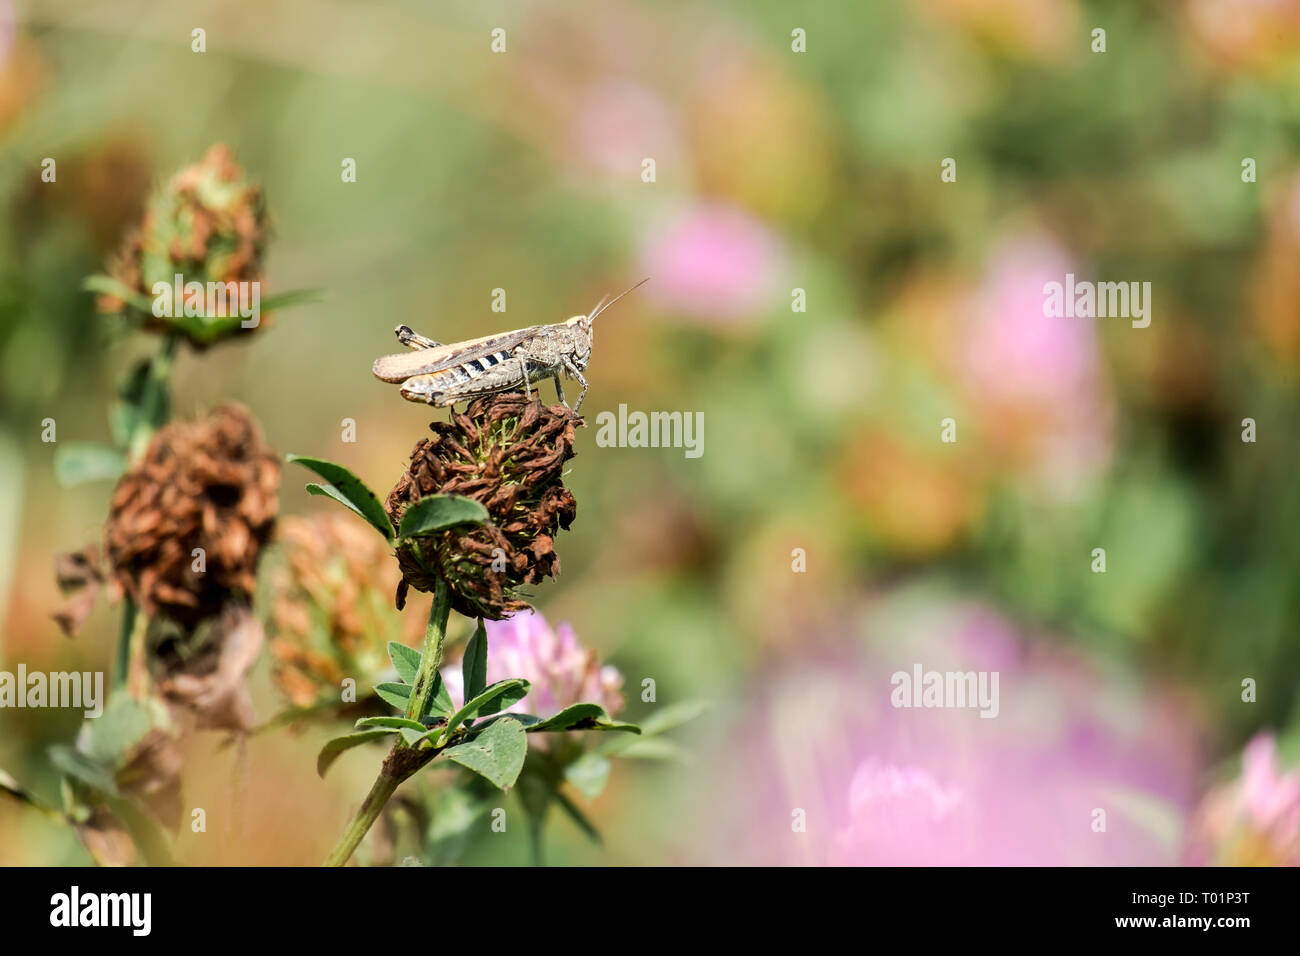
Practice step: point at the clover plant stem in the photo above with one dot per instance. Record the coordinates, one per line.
(160, 370)
(137, 666)
(383, 788)
(131, 670)
(390, 777)
(431, 655)
(122, 663)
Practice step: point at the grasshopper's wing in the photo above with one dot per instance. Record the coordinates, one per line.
(400, 367)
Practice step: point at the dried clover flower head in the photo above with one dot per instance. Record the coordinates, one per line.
(208, 225)
(332, 616)
(507, 453)
(209, 484)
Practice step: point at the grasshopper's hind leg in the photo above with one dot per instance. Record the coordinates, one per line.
(523, 370)
(414, 340)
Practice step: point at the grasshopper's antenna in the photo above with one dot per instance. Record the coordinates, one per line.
(599, 307)
(602, 305)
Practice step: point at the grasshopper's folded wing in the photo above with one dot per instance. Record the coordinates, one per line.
(400, 367)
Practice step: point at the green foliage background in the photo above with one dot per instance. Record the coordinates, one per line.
(474, 174)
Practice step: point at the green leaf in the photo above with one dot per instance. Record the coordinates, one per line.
(415, 737)
(394, 693)
(457, 814)
(439, 512)
(349, 489)
(392, 723)
(405, 659)
(673, 715)
(440, 700)
(107, 285)
(329, 491)
(499, 696)
(16, 790)
(88, 771)
(331, 751)
(399, 695)
(125, 722)
(285, 300)
(12, 787)
(528, 721)
(146, 833)
(144, 402)
(201, 328)
(589, 773)
(76, 464)
(582, 717)
(207, 328)
(651, 745)
(473, 667)
(496, 754)
(643, 748)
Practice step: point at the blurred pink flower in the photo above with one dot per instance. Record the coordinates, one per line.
(1014, 351)
(713, 261)
(1255, 819)
(1037, 378)
(876, 784)
(617, 123)
(889, 807)
(560, 670)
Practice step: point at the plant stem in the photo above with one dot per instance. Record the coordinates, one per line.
(137, 672)
(431, 655)
(401, 761)
(383, 788)
(535, 847)
(131, 672)
(122, 663)
(160, 370)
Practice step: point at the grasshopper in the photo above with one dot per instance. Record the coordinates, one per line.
(444, 374)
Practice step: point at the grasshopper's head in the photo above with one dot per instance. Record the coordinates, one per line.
(580, 336)
(582, 326)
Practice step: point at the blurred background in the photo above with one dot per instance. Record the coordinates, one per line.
(775, 171)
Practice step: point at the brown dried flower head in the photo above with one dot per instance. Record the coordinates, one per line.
(332, 614)
(208, 225)
(209, 484)
(203, 679)
(507, 453)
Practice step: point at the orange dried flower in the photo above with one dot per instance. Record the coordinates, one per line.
(331, 616)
